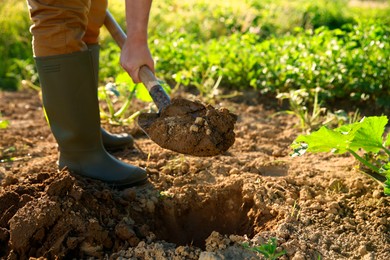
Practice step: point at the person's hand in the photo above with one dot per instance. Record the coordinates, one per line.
(134, 55)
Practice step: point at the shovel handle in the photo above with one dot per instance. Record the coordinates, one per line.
(115, 30)
(156, 91)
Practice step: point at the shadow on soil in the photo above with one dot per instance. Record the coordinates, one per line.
(192, 217)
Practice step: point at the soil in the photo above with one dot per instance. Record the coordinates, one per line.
(189, 127)
(316, 206)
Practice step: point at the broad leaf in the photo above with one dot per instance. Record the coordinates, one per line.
(142, 93)
(369, 136)
(349, 129)
(125, 79)
(324, 140)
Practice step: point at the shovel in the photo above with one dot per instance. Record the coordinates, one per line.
(158, 94)
(181, 125)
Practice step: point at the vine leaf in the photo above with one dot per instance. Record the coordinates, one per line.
(369, 136)
(323, 140)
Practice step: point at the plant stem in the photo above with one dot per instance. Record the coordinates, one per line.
(134, 116)
(125, 106)
(369, 165)
(365, 162)
(386, 150)
(109, 104)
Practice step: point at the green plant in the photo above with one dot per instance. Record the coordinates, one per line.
(15, 44)
(295, 211)
(268, 250)
(176, 166)
(165, 194)
(7, 154)
(271, 46)
(3, 123)
(365, 136)
(349, 63)
(122, 93)
(208, 85)
(332, 14)
(297, 100)
(110, 95)
(310, 111)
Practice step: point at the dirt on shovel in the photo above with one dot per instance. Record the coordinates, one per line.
(189, 127)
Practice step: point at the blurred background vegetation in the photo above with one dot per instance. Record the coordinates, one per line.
(340, 48)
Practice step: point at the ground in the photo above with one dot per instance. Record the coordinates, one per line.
(316, 206)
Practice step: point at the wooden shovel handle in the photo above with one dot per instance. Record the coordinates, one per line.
(160, 98)
(146, 75)
(115, 30)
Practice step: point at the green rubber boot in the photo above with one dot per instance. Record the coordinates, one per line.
(110, 141)
(70, 99)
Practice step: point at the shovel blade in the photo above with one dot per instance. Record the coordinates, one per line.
(189, 127)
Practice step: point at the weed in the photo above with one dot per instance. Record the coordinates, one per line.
(313, 116)
(30, 84)
(176, 166)
(297, 100)
(165, 194)
(6, 155)
(296, 211)
(336, 187)
(3, 123)
(268, 250)
(365, 135)
(207, 85)
(109, 93)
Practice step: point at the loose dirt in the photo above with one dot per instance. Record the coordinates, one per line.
(316, 206)
(189, 127)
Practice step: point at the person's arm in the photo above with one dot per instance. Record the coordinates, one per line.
(135, 51)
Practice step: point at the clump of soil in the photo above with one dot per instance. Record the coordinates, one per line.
(189, 127)
(316, 206)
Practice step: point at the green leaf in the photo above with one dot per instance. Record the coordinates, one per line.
(369, 136)
(386, 188)
(387, 185)
(385, 170)
(324, 140)
(349, 129)
(142, 93)
(124, 78)
(4, 124)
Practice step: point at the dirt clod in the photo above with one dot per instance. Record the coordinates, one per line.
(189, 127)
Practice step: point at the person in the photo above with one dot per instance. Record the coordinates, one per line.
(66, 52)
